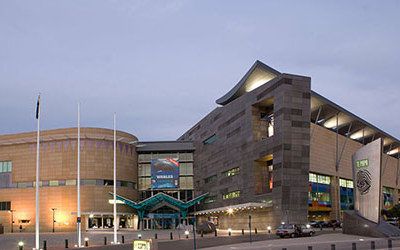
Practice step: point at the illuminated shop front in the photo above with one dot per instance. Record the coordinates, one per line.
(319, 197)
(388, 197)
(346, 194)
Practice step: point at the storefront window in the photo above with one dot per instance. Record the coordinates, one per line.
(346, 194)
(388, 198)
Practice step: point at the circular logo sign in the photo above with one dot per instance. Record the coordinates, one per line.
(363, 181)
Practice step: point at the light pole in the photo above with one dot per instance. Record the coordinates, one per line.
(54, 220)
(12, 219)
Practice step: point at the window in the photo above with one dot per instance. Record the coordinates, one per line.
(269, 118)
(108, 182)
(88, 182)
(70, 182)
(322, 179)
(5, 205)
(186, 169)
(210, 178)
(186, 182)
(24, 184)
(5, 166)
(231, 195)
(210, 139)
(231, 172)
(53, 183)
(346, 183)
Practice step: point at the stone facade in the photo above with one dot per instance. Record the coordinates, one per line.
(241, 141)
(58, 164)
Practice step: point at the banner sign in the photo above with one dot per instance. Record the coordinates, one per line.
(164, 173)
(367, 164)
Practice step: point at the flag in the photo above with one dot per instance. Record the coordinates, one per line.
(37, 107)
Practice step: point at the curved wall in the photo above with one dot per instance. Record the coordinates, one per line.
(58, 170)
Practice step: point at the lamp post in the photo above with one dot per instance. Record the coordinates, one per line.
(12, 219)
(54, 209)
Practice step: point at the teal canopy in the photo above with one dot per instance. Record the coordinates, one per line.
(147, 204)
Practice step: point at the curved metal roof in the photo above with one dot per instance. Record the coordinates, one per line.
(257, 75)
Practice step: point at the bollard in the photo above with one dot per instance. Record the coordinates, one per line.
(44, 245)
(353, 246)
(105, 241)
(333, 247)
(123, 239)
(215, 233)
(242, 231)
(20, 245)
(187, 236)
(284, 248)
(66, 243)
(309, 248)
(389, 244)
(86, 242)
(229, 233)
(171, 236)
(373, 245)
(155, 236)
(202, 234)
(255, 230)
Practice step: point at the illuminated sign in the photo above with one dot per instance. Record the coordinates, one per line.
(362, 163)
(164, 173)
(367, 165)
(141, 245)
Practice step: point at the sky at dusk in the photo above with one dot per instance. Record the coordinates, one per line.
(162, 64)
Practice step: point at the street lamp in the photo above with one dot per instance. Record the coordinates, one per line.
(12, 219)
(54, 220)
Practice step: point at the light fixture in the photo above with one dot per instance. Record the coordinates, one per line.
(186, 232)
(269, 228)
(230, 211)
(308, 226)
(283, 223)
(91, 216)
(139, 236)
(21, 244)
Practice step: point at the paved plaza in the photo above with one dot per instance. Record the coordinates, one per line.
(323, 240)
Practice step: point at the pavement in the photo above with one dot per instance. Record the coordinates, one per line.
(323, 240)
(318, 242)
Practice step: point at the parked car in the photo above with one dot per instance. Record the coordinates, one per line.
(286, 230)
(304, 230)
(316, 224)
(206, 227)
(334, 223)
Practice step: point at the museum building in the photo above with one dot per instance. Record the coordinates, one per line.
(272, 149)
(280, 152)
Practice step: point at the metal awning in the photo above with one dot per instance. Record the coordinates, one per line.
(236, 208)
(149, 203)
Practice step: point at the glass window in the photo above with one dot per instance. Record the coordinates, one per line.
(186, 182)
(186, 169)
(210, 139)
(70, 182)
(53, 183)
(88, 182)
(231, 172)
(5, 205)
(210, 178)
(312, 177)
(5, 166)
(323, 179)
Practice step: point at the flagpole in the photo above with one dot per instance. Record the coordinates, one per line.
(115, 181)
(37, 174)
(78, 181)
